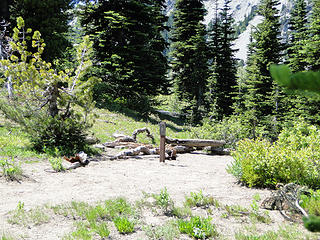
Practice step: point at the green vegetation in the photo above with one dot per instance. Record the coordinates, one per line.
(312, 223)
(164, 201)
(124, 225)
(132, 66)
(95, 221)
(11, 170)
(198, 228)
(292, 158)
(168, 231)
(28, 218)
(56, 164)
(199, 200)
(287, 232)
(43, 102)
(190, 58)
(311, 202)
(6, 237)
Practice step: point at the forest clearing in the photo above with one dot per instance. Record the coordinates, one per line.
(45, 204)
(43, 191)
(89, 90)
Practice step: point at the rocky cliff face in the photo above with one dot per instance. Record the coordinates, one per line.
(241, 9)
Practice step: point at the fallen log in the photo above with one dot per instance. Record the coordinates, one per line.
(171, 154)
(195, 142)
(124, 144)
(133, 138)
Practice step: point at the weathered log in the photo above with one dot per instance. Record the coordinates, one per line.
(195, 142)
(92, 140)
(218, 151)
(183, 149)
(125, 144)
(133, 138)
(141, 130)
(171, 154)
(135, 152)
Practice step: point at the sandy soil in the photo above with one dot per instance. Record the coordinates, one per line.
(102, 180)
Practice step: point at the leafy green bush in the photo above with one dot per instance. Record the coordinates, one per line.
(312, 223)
(164, 201)
(124, 225)
(293, 158)
(102, 230)
(117, 207)
(198, 228)
(311, 203)
(232, 130)
(10, 169)
(199, 200)
(56, 164)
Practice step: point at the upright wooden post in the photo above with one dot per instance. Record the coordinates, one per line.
(162, 141)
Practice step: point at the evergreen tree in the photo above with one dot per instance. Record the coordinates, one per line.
(298, 34)
(190, 59)
(312, 44)
(224, 61)
(4, 9)
(263, 95)
(298, 105)
(50, 17)
(129, 47)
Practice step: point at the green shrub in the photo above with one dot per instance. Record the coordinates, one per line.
(199, 200)
(164, 201)
(20, 216)
(102, 230)
(293, 158)
(311, 203)
(82, 232)
(124, 225)
(168, 231)
(312, 223)
(232, 130)
(67, 135)
(197, 227)
(10, 169)
(118, 207)
(56, 164)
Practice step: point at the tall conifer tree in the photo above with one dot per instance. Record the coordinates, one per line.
(297, 35)
(263, 98)
(222, 38)
(312, 44)
(129, 47)
(299, 106)
(190, 59)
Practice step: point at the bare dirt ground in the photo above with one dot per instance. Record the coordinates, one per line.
(103, 180)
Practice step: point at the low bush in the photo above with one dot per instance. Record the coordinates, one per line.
(168, 231)
(199, 200)
(11, 170)
(164, 201)
(198, 228)
(294, 157)
(311, 203)
(231, 129)
(124, 225)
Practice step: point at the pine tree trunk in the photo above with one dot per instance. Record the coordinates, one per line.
(53, 104)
